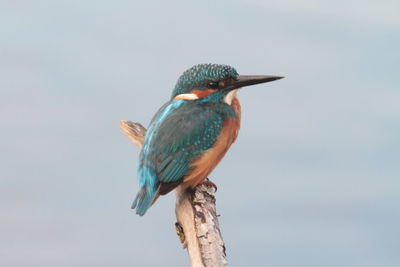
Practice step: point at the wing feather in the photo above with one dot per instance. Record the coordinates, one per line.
(180, 138)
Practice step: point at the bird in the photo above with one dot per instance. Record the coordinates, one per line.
(190, 134)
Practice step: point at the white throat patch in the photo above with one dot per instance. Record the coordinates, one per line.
(230, 96)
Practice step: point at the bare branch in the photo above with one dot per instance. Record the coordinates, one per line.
(134, 131)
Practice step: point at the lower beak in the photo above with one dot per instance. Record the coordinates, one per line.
(246, 80)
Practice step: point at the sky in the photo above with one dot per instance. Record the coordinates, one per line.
(313, 179)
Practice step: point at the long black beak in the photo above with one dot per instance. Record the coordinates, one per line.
(246, 80)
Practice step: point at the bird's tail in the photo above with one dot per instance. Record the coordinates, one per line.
(148, 192)
(144, 199)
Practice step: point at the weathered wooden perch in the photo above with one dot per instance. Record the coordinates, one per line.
(197, 221)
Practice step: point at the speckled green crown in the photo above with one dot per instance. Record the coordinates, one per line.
(198, 77)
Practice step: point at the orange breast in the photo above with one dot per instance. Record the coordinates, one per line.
(203, 166)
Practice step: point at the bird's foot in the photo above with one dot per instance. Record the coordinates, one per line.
(208, 183)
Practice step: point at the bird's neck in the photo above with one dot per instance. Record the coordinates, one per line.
(235, 104)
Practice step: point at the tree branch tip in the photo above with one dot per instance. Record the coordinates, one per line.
(181, 234)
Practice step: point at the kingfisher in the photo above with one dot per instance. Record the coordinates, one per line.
(190, 134)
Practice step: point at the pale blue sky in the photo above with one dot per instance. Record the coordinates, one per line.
(313, 179)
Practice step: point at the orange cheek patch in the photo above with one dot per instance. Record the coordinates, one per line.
(203, 93)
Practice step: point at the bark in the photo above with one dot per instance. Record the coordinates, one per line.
(197, 221)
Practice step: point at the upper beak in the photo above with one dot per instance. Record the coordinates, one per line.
(246, 80)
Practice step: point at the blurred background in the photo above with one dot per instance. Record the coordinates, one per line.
(313, 179)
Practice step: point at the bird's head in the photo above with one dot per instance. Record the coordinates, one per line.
(214, 83)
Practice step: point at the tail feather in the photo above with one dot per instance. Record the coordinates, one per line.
(143, 200)
(148, 192)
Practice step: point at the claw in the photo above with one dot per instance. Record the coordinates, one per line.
(208, 183)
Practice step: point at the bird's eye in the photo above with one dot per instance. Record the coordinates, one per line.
(213, 84)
